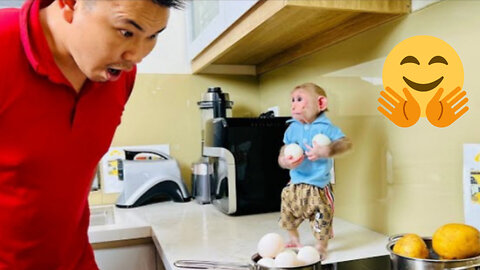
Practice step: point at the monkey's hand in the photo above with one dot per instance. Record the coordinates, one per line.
(287, 162)
(441, 113)
(336, 148)
(317, 151)
(404, 112)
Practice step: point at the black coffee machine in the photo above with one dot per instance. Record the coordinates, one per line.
(243, 153)
(239, 170)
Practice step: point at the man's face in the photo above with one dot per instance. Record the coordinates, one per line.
(305, 106)
(109, 36)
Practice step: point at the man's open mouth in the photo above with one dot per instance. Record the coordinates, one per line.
(114, 72)
(423, 87)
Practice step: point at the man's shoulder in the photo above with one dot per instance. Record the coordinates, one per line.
(9, 31)
(9, 21)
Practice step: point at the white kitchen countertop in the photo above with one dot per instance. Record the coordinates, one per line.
(201, 232)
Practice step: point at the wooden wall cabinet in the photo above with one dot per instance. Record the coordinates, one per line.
(273, 33)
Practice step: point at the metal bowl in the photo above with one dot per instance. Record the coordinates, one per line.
(256, 257)
(434, 262)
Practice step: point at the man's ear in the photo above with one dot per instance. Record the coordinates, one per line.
(322, 103)
(67, 7)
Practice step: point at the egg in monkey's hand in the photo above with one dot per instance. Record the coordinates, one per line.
(321, 140)
(293, 151)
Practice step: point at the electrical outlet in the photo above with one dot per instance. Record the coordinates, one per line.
(274, 109)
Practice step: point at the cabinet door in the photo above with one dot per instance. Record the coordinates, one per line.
(207, 19)
(138, 257)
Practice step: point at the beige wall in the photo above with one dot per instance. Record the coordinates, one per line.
(397, 179)
(163, 109)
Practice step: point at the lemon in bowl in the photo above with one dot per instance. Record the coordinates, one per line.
(411, 245)
(456, 241)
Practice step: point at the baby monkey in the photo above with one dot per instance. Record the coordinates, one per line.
(309, 194)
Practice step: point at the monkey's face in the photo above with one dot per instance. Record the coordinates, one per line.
(305, 107)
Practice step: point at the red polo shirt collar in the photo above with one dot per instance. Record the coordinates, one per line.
(35, 44)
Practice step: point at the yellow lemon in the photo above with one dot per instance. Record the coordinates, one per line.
(456, 241)
(411, 245)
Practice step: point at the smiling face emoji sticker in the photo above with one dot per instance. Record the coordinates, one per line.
(420, 71)
(422, 64)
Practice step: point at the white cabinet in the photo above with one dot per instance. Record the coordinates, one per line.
(208, 19)
(139, 257)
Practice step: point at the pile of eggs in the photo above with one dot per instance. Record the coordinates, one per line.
(272, 249)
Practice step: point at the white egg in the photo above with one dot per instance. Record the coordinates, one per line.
(293, 150)
(286, 258)
(321, 139)
(270, 245)
(267, 262)
(308, 255)
(290, 251)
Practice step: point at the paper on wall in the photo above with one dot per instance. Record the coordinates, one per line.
(471, 184)
(109, 164)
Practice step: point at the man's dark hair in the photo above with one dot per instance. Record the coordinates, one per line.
(178, 4)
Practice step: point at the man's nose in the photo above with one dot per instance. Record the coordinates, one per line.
(136, 53)
(132, 56)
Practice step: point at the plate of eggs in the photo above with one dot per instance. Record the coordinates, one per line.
(272, 254)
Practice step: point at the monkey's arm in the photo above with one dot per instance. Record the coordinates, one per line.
(340, 146)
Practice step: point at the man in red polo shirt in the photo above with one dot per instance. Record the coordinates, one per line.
(68, 70)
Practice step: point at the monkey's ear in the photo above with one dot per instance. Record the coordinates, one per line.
(67, 7)
(322, 103)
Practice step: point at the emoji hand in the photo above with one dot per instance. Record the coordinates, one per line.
(405, 113)
(441, 113)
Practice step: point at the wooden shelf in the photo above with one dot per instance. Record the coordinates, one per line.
(276, 32)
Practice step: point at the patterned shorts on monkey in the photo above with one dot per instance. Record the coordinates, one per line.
(307, 202)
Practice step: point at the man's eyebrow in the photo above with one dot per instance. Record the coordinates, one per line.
(132, 22)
